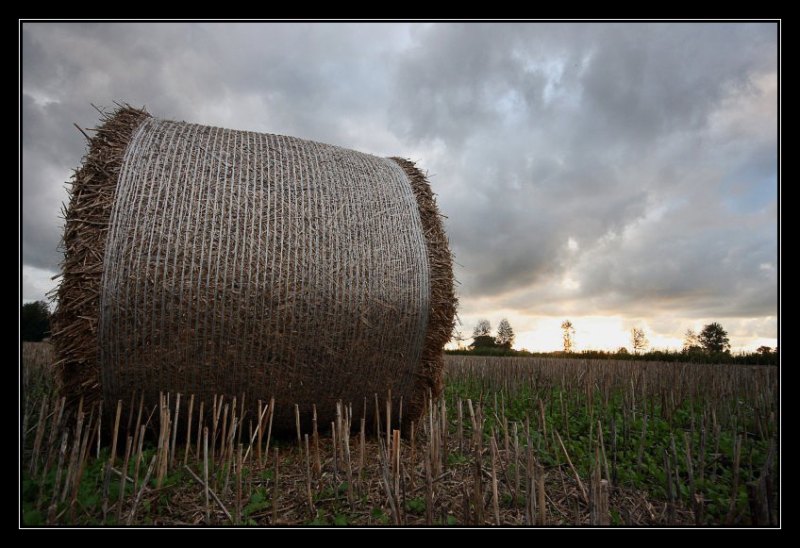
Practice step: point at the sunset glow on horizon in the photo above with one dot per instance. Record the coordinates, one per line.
(607, 333)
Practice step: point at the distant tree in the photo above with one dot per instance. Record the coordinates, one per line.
(764, 350)
(483, 341)
(622, 350)
(638, 340)
(482, 329)
(568, 335)
(35, 320)
(505, 334)
(714, 339)
(690, 341)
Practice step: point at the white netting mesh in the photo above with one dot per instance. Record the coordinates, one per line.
(239, 262)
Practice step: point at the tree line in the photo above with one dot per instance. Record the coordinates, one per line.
(711, 344)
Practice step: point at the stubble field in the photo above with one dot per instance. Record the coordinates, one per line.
(513, 441)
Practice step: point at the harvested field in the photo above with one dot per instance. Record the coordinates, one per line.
(513, 442)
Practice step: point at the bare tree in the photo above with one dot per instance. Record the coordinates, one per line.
(690, 341)
(505, 334)
(482, 329)
(638, 340)
(481, 335)
(569, 335)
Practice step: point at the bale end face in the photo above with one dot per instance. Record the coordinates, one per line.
(91, 198)
(443, 302)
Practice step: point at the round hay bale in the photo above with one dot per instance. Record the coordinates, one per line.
(208, 261)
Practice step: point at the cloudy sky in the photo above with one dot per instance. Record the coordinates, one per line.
(617, 175)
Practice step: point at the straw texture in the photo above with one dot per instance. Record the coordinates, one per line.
(255, 265)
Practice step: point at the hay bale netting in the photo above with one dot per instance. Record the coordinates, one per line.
(209, 261)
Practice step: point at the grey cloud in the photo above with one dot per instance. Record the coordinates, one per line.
(616, 126)
(191, 72)
(50, 145)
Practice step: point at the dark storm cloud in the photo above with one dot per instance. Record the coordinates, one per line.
(626, 169)
(49, 149)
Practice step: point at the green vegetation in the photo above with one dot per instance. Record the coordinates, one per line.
(692, 435)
